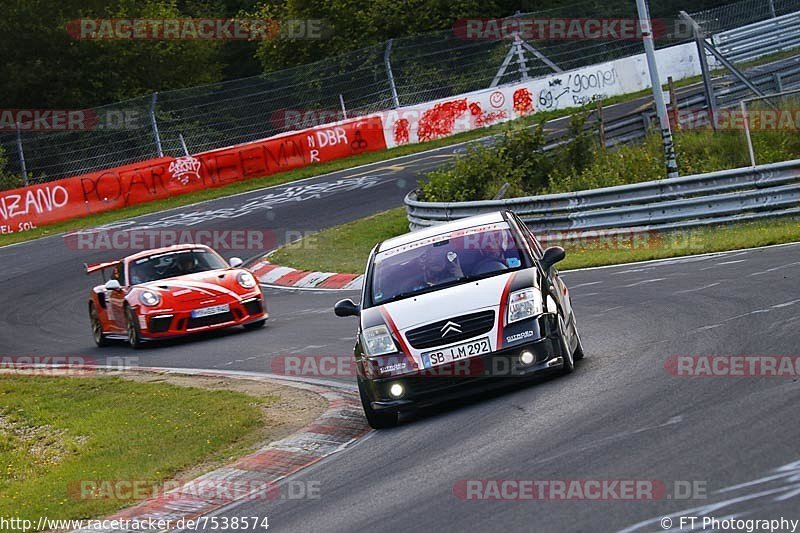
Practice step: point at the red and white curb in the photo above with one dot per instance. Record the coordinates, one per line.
(256, 476)
(280, 276)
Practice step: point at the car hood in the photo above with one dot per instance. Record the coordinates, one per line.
(452, 301)
(208, 285)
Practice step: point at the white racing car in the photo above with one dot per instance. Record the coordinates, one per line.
(455, 307)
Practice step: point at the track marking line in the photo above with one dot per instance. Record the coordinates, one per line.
(687, 291)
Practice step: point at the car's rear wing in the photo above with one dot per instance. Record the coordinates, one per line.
(94, 267)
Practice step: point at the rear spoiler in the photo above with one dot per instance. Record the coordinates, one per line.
(94, 267)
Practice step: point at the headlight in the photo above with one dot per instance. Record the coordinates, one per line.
(246, 280)
(524, 304)
(150, 298)
(378, 341)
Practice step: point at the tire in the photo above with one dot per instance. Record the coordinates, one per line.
(134, 335)
(569, 361)
(97, 327)
(255, 325)
(578, 353)
(376, 419)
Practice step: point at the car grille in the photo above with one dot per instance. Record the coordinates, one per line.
(470, 326)
(254, 307)
(160, 324)
(209, 320)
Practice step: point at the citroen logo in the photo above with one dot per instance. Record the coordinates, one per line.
(450, 327)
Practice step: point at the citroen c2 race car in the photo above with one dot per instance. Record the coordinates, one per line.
(455, 307)
(172, 292)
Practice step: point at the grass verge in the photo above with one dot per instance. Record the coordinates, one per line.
(345, 248)
(57, 431)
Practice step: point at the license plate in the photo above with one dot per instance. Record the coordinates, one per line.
(455, 353)
(213, 310)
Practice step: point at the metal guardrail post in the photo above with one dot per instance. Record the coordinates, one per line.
(388, 64)
(748, 138)
(154, 123)
(21, 155)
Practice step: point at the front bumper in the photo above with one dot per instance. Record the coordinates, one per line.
(163, 324)
(453, 380)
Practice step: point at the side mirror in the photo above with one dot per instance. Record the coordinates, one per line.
(112, 285)
(346, 308)
(551, 256)
(235, 262)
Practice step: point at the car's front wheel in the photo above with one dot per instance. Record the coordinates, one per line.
(97, 327)
(134, 335)
(566, 353)
(376, 419)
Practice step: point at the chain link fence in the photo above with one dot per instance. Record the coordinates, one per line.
(399, 72)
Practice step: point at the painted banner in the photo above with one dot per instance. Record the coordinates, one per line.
(27, 208)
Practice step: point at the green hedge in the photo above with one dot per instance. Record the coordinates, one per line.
(517, 158)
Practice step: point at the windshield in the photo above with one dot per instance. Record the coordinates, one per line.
(444, 260)
(173, 264)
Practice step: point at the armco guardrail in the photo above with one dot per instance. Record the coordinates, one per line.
(759, 39)
(689, 201)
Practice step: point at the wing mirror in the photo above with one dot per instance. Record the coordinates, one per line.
(346, 308)
(112, 285)
(551, 256)
(235, 262)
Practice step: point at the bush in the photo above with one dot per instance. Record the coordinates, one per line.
(581, 164)
(7, 180)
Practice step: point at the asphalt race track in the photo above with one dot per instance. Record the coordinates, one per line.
(621, 415)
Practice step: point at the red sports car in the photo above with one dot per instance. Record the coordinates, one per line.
(170, 292)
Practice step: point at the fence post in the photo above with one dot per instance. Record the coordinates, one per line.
(746, 120)
(155, 124)
(388, 64)
(21, 155)
(601, 123)
(344, 109)
(772, 8)
(183, 144)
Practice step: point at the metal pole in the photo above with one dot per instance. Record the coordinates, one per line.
(523, 66)
(389, 74)
(183, 143)
(658, 95)
(21, 155)
(344, 109)
(155, 124)
(708, 88)
(743, 106)
(772, 8)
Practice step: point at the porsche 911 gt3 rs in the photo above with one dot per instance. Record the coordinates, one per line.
(455, 307)
(172, 292)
